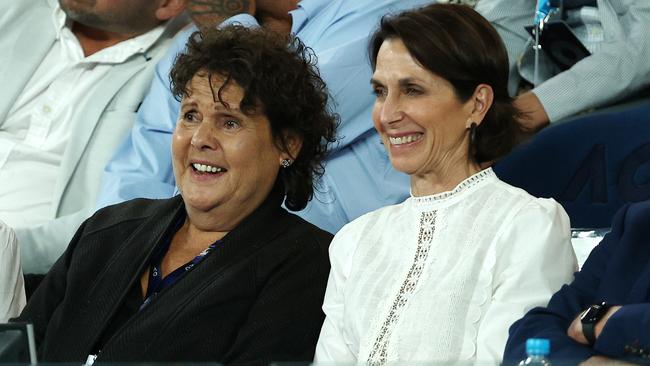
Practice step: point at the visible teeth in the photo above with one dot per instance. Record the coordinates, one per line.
(404, 139)
(207, 168)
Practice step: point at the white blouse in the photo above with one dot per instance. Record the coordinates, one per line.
(442, 277)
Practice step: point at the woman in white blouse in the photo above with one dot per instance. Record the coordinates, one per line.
(442, 276)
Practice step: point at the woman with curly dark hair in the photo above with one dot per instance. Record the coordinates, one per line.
(222, 272)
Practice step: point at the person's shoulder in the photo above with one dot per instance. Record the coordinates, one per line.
(181, 36)
(527, 201)
(362, 12)
(300, 236)
(383, 7)
(522, 209)
(297, 226)
(635, 216)
(27, 5)
(638, 209)
(14, 13)
(133, 210)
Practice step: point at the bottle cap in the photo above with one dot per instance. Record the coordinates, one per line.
(538, 347)
(544, 9)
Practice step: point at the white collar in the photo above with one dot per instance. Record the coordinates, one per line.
(466, 185)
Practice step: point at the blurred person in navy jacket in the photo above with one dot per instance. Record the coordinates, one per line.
(605, 312)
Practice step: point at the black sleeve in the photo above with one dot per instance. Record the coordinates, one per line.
(50, 293)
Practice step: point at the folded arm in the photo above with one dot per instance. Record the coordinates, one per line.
(625, 333)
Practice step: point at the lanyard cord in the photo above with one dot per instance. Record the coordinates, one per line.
(156, 281)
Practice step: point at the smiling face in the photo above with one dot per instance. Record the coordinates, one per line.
(421, 121)
(224, 160)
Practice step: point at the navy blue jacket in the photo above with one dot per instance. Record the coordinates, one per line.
(617, 271)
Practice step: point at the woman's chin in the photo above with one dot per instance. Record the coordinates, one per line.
(198, 201)
(404, 165)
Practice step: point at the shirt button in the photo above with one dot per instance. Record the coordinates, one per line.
(47, 109)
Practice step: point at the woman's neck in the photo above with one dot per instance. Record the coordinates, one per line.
(191, 240)
(185, 245)
(442, 179)
(213, 224)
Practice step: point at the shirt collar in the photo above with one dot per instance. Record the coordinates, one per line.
(306, 10)
(59, 19)
(120, 52)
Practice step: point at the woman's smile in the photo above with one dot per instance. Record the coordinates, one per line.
(202, 171)
(405, 140)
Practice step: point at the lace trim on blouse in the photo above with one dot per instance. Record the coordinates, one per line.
(379, 353)
(463, 186)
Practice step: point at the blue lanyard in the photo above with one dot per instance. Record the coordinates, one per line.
(156, 281)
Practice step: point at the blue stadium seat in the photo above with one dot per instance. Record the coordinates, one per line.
(592, 164)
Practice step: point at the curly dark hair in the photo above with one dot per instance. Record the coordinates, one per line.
(279, 77)
(456, 43)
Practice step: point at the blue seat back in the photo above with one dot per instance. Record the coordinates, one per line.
(592, 165)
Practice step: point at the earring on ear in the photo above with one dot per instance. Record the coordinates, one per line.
(472, 134)
(285, 163)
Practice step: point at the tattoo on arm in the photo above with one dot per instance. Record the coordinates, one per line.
(210, 13)
(221, 8)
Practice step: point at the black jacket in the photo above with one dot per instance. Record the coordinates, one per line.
(255, 299)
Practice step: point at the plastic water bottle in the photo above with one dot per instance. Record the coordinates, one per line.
(537, 349)
(542, 10)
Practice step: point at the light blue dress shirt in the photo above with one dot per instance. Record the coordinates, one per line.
(358, 175)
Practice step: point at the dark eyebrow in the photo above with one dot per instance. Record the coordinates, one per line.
(402, 82)
(218, 108)
(374, 81)
(408, 81)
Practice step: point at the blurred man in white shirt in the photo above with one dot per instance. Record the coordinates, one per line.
(74, 73)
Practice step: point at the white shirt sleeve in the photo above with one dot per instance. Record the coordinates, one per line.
(534, 258)
(12, 287)
(332, 347)
(619, 68)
